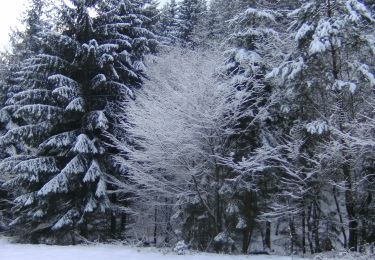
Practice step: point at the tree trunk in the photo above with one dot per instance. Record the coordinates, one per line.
(316, 229)
(83, 230)
(340, 218)
(309, 228)
(363, 241)
(268, 235)
(73, 238)
(292, 233)
(217, 200)
(350, 207)
(277, 227)
(123, 225)
(349, 200)
(353, 236)
(246, 240)
(251, 209)
(303, 232)
(155, 226)
(113, 225)
(168, 214)
(113, 219)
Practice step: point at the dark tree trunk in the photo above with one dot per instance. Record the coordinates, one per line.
(113, 218)
(251, 211)
(303, 232)
(277, 227)
(340, 218)
(73, 238)
(350, 207)
(292, 234)
(113, 225)
(268, 235)
(353, 236)
(349, 200)
(363, 238)
(309, 228)
(123, 224)
(247, 234)
(83, 230)
(168, 214)
(218, 215)
(316, 229)
(155, 226)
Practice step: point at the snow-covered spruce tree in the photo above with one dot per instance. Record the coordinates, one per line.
(370, 4)
(246, 65)
(23, 44)
(219, 14)
(192, 14)
(4, 206)
(152, 12)
(67, 111)
(323, 82)
(169, 22)
(361, 146)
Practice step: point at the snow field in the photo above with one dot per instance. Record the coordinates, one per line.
(108, 252)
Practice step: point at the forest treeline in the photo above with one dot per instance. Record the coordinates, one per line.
(231, 126)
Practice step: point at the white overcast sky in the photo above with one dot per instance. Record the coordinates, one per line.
(9, 17)
(10, 12)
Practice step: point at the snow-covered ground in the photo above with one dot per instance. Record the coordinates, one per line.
(107, 252)
(10, 251)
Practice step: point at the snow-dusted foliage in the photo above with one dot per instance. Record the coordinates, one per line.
(180, 248)
(191, 17)
(219, 13)
(247, 62)
(169, 22)
(182, 122)
(261, 143)
(317, 75)
(324, 86)
(65, 104)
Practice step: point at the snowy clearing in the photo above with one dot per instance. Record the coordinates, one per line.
(10, 251)
(106, 252)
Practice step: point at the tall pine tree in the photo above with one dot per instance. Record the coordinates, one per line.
(23, 44)
(68, 106)
(191, 15)
(169, 21)
(323, 82)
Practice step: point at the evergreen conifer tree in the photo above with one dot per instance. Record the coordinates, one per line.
(191, 15)
(153, 13)
(247, 63)
(322, 82)
(23, 44)
(68, 106)
(169, 21)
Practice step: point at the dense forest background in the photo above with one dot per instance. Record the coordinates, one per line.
(228, 126)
